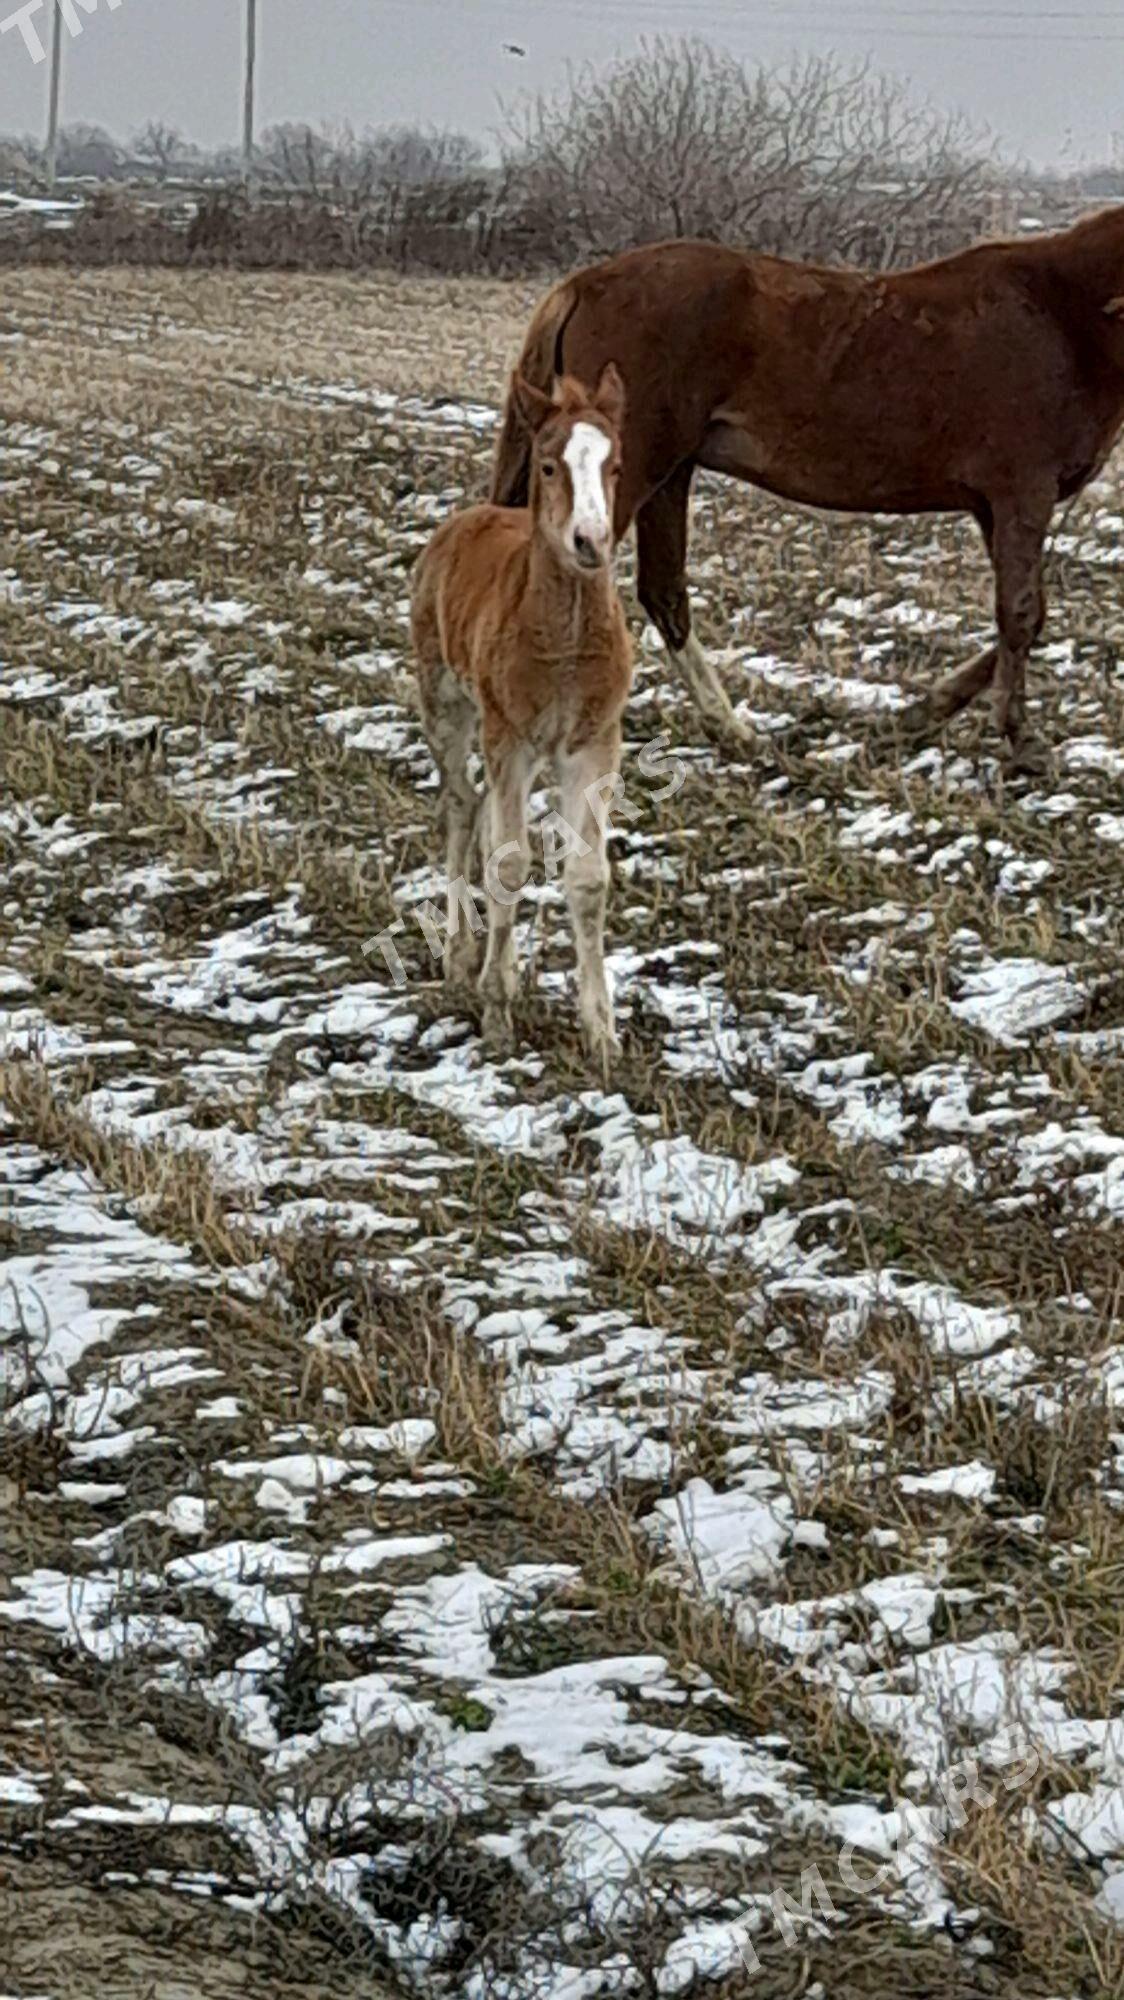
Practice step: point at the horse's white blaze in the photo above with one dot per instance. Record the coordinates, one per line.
(587, 448)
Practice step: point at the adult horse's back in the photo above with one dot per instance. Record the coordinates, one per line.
(990, 383)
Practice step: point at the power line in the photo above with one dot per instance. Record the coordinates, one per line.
(1006, 13)
(736, 10)
(898, 21)
(1082, 15)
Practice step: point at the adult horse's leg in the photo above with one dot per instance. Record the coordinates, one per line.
(916, 725)
(661, 582)
(1014, 541)
(1020, 613)
(957, 689)
(922, 720)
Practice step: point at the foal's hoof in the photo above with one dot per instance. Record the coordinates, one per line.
(499, 1031)
(602, 1048)
(461, 971)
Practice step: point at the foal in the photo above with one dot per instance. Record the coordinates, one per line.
(518, 631)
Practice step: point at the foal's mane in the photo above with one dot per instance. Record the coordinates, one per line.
(572, 395)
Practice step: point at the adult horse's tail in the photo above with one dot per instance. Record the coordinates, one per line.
(539, 362)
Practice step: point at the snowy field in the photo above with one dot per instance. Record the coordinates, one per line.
(466, 1532)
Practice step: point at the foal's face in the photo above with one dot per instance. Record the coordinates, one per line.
(575, 466)
(578, 465)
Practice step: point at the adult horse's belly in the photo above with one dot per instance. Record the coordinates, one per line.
(836, 466)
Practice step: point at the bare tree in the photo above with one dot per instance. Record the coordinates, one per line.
(820, 160)
(384, 193)
(88, 152)
(161, 144)
(298, 157)
(429, 187)
(411, 157)
(21, 160)
(319, 159)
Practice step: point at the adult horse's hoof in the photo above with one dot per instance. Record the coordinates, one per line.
(902, 732)
(918, 725)
(1028, 757)
(730, 735)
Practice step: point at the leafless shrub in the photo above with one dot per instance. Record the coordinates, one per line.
(322, 159)
(331, 200)
(20, 161)
(817, 160)
(88, 151)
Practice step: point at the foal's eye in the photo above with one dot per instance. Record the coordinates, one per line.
(547, 470)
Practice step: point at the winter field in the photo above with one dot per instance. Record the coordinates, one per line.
(465, 1532)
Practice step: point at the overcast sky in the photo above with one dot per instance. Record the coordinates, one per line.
(1046, 75)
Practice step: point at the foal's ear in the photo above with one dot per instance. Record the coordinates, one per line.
(532, 405)
(1114, 308)
(609, 395)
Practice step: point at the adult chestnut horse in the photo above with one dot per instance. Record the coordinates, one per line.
(990, 383)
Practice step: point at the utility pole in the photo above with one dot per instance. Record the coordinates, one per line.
(248, 103)
(53, 102)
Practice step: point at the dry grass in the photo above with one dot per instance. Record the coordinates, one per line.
(173, 1190)
(409, 336)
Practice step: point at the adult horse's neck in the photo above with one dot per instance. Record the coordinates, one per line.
(1090, 255)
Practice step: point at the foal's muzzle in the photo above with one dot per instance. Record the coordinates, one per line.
(588, 553)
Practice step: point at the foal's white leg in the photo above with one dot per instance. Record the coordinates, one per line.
(585, 788)
(450, 724)
(507, 862)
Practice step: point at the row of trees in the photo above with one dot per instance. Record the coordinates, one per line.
(818, 159)
(289, 155)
